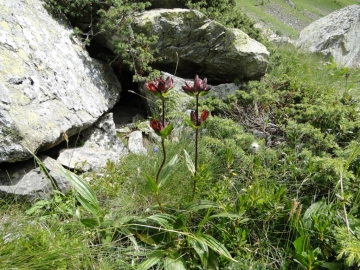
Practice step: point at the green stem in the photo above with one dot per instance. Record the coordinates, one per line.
(164, 159)
(159, 202)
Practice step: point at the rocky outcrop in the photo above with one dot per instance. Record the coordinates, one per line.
(198, 45)
(336, 35)
(50, 88)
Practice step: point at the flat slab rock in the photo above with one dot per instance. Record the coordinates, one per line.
(101, 145)
(26, 180)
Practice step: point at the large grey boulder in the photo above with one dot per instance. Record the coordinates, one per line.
(199, 45)
(336, 35)
(49, 86)
(101, 145)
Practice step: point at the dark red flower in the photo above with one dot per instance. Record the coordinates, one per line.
(193, 118)
(199, 87)
(197, 121)
(204, 115)
(160, 85)
(156, 125)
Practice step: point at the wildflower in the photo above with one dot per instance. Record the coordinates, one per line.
(156, 125)
(160, 86)
(156, 149)
(199, 88)
(197, 122)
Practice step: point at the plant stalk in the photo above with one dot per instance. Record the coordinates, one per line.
(164, 154)
(196, 145)
(159, 202)
(164, 159)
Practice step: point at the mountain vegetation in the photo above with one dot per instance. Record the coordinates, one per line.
(269, 181)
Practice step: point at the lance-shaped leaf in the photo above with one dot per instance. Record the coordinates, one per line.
(166, 171)
(152, 183)
(189, 163)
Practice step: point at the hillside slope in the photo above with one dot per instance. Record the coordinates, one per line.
(289, 17)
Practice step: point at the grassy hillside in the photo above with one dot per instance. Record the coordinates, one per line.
(287, 19)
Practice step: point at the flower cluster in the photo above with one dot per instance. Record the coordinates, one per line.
(198, 120)
(199, 88)
(160, 86)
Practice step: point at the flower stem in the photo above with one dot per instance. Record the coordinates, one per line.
(196, 145)
(163, 111)
(164, 154)
(163, 162)
(159, 202)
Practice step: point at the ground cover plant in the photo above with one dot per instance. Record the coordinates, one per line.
(271, 182)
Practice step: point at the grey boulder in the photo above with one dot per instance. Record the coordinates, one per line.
(336, 35)
(198, 45)
(49, 86)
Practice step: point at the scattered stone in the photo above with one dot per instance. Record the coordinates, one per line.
(136, 143)
(290, 3)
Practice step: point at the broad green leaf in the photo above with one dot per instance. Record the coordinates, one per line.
(164, 220)
(203, 93)
(190, 123)
(38, 205)
(229, 215)
(154, 187)
(200, 204)
(90, 222)
(174, 261)
(166, 131)
(332, 265)
(215, 245)
(189, 163)
(152, 260)
(93, 209)
(301, 244)
(85, 194)
(166, 171)
(147, 239)
(201, 248)
(81, 186)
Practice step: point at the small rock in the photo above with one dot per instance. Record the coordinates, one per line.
(136, 143)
